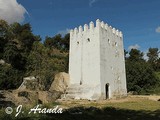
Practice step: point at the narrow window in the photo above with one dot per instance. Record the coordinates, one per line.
(116, 44)
(109, 41)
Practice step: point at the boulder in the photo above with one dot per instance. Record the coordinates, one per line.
(60, 83)
(48, 97)
(31, 91)
(31, 83)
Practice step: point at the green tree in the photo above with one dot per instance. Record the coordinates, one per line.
(48, 42)
(58, 42)
(153, 57)
(140, 75)
(3, 36)
(24, 36)
(16, 42)
(66, 42)
(135, 55)
(10, 78)
(13, 56)
(45, 63)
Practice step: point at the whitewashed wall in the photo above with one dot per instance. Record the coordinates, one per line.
(96, 59)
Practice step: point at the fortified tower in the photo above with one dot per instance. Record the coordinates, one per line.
(96, 62)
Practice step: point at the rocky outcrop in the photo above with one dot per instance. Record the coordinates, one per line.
(48, 97)
(31, 83)
(60, 82)
(30, 92)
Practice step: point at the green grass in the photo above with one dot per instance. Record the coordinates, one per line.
(137, 109)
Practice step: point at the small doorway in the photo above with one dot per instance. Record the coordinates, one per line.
(107, 91)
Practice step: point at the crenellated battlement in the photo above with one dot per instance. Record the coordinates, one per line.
(96, 62)
(91, 27)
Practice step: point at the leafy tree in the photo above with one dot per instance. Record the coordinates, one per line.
(58, 42)
(48, 42)
(66, 42)
(10, 78)
(24, 36)
(3, 36)
(16, 42)
(135, 55)
(140, 77)
(153, 57)
(45, 63)
(139, 73)
(13, 56)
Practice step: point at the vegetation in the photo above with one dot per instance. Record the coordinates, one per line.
(134, 109)
(25, 54)
(141, 74)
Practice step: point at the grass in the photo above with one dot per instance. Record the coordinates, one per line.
(141, 105)
(131, 103)
(134, 108)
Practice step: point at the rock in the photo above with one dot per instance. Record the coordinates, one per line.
(25, 97)
(60, 82)
(23, 94)
(2, 62)
(30, 91)
(48, 97)
(31, 83)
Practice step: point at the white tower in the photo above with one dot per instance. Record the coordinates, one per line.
(96, 62)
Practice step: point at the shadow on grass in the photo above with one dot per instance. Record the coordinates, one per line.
(92, 113)
(108, 113)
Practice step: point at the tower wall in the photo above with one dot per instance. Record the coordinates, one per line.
(85, 55)
(112, 63)
(97, 58)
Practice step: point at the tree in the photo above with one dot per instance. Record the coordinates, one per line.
(153, 57)
(24, 36)
(135, 55)
(3, 36)
(58, 42)
(16, 42)
(140, 75)
(48, 42)
(45, 63)
(66, 42)
(10, 78)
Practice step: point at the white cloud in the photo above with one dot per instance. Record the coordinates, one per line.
(145, 55)
(91, 2)
(136, 46)
(11, 11)
(158, 29)
(64, 32)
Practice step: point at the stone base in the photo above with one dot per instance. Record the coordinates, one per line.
(76, 91)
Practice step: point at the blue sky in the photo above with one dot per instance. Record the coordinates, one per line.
(139, 20)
